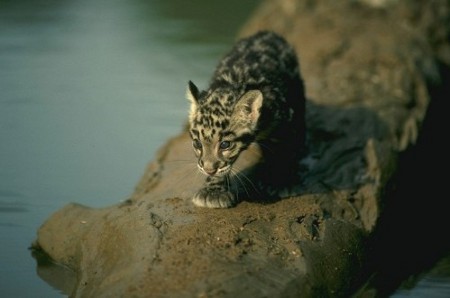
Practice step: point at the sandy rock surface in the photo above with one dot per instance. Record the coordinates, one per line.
(366, 65)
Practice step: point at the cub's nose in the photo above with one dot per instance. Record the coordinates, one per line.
(210, 172)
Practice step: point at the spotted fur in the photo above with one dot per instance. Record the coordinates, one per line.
(255, 95)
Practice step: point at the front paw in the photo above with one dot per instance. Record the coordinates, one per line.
(214, 199)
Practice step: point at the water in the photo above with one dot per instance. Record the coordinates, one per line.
(89, 91)
(433, 284)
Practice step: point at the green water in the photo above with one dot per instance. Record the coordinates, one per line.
(89, 91)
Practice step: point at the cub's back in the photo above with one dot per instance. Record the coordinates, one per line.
(264, 60)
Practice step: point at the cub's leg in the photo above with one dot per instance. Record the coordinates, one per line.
(215, 194)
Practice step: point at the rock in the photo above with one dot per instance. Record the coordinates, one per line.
(367, 67)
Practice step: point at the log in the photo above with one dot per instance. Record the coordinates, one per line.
(368, 67)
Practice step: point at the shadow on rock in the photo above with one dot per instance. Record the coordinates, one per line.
(335, 157)
(412, 234)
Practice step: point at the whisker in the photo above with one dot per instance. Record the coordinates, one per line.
(197, 174)
(235, 189)
(187, 174)
(192, 175)
(242, 183)
(255, 151)
(240, 177)
(267, 148)
(227, 182)
(256, 190)
(186, 161)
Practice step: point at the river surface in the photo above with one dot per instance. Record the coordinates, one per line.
(89, 91)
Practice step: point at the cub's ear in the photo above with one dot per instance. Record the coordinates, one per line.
(248, 108)
(192, 93)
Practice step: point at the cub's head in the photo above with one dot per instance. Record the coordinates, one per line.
(221, 126)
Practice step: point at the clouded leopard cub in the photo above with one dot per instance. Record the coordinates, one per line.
(256, 95)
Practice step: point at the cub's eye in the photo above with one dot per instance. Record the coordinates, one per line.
(224, 145)
(197, 144)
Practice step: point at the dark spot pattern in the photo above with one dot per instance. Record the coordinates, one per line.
(263, 62)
